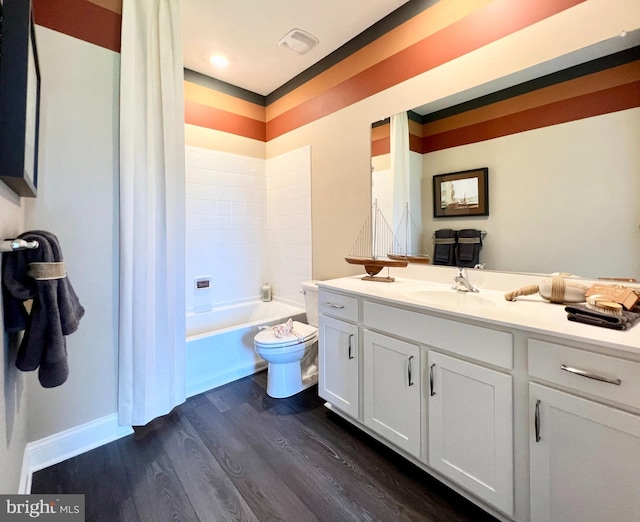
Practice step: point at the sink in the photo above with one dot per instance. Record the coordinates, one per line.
(453, 299)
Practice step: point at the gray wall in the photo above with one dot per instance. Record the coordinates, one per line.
(13, 399)
(77, 201)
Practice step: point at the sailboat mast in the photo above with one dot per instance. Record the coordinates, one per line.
(407, 247)
(374, 231)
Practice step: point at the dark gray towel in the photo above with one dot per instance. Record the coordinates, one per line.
(468, 247)
(55, 312)
(581, 314)
(444, 248)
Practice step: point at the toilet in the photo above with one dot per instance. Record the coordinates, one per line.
(293, 358)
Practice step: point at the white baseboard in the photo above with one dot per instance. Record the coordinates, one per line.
(61, 446)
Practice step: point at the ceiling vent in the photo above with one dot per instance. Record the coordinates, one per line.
(298, 41)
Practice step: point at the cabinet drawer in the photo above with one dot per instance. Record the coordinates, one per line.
(482, 344)
(338, 305)
(583, 370)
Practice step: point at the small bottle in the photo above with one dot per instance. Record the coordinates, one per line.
(266, 292)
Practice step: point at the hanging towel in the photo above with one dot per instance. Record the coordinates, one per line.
(468, 247)
(444, 248)
(38, 274)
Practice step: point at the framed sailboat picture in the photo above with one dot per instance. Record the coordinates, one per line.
(464, 193)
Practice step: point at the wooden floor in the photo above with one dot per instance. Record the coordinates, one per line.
(234, 453)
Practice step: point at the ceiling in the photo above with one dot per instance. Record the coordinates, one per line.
(248, 31)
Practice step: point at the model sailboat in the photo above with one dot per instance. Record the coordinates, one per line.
(373, 247)
(408, 239)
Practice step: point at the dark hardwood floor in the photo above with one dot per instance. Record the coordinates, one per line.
(234, 453)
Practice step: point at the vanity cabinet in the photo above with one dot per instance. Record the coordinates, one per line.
(338, 371)
(469, 424)
(338, 352)
(584, 459)
(532, 417)
(471, 427)
(391, 374)
(585, 455)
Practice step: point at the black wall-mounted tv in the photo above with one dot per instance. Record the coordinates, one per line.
(19, 98)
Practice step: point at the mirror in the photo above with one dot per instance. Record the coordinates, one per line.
(562, 158)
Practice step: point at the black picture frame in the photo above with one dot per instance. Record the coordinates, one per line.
(19, 99)
(461, 194)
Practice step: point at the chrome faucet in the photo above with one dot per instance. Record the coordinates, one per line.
(462, 282)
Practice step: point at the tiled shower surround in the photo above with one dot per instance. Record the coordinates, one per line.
(248, 223)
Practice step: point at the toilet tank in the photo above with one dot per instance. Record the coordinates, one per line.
(310, 291)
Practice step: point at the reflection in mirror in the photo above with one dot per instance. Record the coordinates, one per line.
(562, 151)
(396, 186)
(376, 247)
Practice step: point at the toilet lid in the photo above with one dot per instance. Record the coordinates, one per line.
(301, 333)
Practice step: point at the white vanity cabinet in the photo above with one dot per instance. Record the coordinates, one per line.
(585, 455)
(469, 424)
(471, 427)
(532, 417)
(391, 374)
(339, 352)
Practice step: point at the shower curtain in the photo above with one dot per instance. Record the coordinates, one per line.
(152, 215)
(399, 138)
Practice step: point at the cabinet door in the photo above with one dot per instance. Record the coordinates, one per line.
(471, 428)
(585, 459)
(338, 364)
(392, 390)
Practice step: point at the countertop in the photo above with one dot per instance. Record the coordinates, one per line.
(528, 313)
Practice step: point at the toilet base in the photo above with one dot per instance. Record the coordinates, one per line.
(285, 380)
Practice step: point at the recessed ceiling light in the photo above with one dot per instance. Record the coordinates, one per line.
(219, 60)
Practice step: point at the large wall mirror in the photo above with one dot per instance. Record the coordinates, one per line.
(560, 142)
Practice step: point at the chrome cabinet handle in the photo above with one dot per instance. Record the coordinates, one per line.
(432, 391)
(350, 354)
(589, 375)
(334, 305)
(411, 383)
(537, 420)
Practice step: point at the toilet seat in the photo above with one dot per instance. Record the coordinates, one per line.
(300, 334)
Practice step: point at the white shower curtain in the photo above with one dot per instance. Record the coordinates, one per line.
(152, 215)
(400, 171)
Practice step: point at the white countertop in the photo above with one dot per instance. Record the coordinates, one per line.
(530, 313)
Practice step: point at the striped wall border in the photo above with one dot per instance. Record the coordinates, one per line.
(607, 84)
(331, 84)
(98, 22)
(488, 24)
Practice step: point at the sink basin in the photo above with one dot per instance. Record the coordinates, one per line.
(453, 299)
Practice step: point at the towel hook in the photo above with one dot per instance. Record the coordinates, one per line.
(11, 245)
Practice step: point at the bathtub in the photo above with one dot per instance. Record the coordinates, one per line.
(219, 346)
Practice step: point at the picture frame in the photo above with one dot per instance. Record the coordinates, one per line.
(19, 98)
(461, 194)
